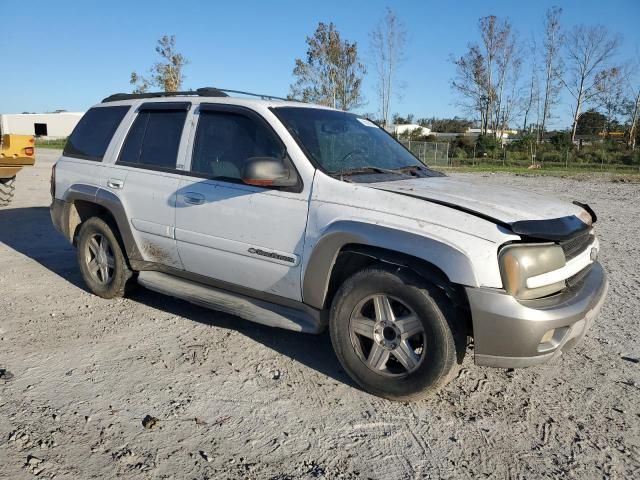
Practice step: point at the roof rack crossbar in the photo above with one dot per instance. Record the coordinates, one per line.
(201, 92)
(209, 92)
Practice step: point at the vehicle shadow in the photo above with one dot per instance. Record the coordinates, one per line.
(30, 232)
(314, 351)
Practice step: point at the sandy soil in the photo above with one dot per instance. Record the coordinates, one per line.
(231, 399)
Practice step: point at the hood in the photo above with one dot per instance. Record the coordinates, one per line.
(524, 213)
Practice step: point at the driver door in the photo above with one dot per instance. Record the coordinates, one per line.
(244, 235)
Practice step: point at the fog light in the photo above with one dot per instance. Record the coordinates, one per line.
(547, 337)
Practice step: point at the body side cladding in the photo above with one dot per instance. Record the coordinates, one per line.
(453, 263)
(309, 319)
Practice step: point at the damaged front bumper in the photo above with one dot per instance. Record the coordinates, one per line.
(509, 333)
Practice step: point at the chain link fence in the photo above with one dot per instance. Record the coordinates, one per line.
(441, 154)
(429, 153)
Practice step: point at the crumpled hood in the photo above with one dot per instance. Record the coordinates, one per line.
(524, 212)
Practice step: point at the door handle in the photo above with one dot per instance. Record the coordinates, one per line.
(115, 183)
(193, 198)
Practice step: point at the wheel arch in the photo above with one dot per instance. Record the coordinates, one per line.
(348, 246)
(85, 201)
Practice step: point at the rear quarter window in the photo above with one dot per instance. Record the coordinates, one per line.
(93, 133)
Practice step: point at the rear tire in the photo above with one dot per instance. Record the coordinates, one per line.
(102, 262)
(7, 190)
(394, 333)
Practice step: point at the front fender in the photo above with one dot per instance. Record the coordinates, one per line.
(317, 273)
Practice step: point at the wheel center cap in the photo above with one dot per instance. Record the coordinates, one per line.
(387, 335)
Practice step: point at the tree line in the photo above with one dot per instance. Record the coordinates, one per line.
(581, 60)
(500, 81)
(331, 73)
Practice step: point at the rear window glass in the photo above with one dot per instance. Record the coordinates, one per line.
(93, 133)
(154, 139)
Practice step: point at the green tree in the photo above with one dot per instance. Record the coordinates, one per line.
(488, 144)
(446, 125)
(591, 123)
(561, 141)
(167, 73)
(332, 72)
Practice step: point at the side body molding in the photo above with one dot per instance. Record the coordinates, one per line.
(108, 201)
(318, 270)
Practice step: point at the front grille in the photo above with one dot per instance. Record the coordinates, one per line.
(574, 247)
(578, 277)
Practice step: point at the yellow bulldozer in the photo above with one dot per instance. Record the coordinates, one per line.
(16, 151)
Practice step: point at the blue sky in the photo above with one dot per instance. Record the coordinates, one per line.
(69, 55)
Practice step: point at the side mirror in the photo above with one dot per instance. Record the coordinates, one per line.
(268, 172)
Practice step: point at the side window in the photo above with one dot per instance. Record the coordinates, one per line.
(225, 141)
(154, 138)
(93, 133)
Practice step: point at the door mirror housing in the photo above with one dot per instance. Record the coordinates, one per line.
(269, 172)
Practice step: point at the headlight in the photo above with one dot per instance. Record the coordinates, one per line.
(521, 261)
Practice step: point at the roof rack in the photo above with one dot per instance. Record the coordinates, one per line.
(200, 92)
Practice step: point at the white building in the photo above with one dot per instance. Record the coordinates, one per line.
(502, 134)
(45, 125)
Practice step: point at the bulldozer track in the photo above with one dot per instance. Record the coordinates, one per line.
(7, 190)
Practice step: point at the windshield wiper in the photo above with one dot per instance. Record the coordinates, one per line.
(410, 168)
(356, 171)
(419, 171)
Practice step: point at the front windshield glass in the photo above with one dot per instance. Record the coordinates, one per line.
(341, 142)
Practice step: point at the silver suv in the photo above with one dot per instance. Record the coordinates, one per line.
(300, 216)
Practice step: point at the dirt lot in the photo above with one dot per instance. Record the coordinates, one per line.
(236, 400)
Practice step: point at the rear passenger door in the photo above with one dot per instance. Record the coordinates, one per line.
(239, 234)
(146, 179)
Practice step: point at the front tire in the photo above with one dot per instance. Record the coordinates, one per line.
(394, 333)
(102, 263)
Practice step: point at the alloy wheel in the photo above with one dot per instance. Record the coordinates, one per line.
(387, 335)
(99, 259)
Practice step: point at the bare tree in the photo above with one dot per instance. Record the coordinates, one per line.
(508, 64)
(634, 113)
(552, 65)
(488, 72)
(609, 96)
(589, 50)
(332, 72)
(533, 86)
(471, 83)
(491, 40)
(388, 40)
(165, 74)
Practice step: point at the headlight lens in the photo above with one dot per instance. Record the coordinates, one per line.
(521, 261)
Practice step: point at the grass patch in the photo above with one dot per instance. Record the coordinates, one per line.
(55, 144)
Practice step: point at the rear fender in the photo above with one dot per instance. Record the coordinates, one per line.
(105, 199)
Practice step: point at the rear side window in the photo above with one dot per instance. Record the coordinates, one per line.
(225, 141)
(93, 133)
(154, 139)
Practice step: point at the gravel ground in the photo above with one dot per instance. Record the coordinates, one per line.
(223, 398)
